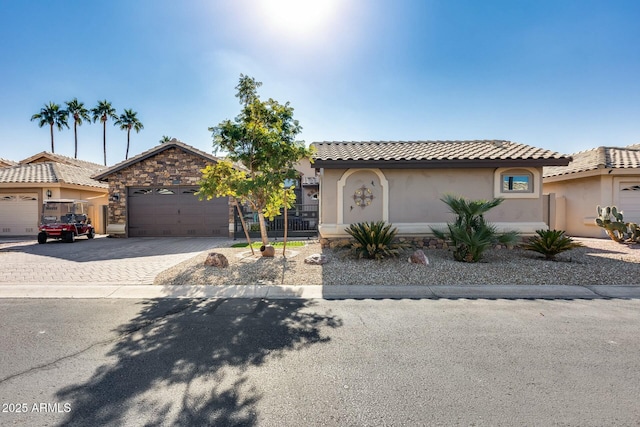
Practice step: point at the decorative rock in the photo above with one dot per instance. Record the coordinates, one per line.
(316, 259)
(268, 251)
(215, 259)
(418, 257)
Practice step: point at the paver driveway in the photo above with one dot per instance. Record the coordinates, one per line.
(101, 261)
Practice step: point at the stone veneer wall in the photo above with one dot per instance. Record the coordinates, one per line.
(170, 167)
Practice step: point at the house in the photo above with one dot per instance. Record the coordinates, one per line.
(25, 185)
(4, 163)
(153, 194)
(605, 176)
(402, 183)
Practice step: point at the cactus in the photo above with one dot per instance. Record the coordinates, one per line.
(613, 223)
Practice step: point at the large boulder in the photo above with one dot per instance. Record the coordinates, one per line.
(215, 259)
(418, 257)
(316, 259)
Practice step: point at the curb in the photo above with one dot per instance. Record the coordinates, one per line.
(325, 292)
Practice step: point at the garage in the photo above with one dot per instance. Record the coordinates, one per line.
(19, 214)
(175, 211)
(629, 201)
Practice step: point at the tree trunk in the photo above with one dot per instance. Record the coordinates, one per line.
(263, 229)
(244, 227)
(126, 156)
(104, 141)
(53, 150)
(286, 225)
(75, 135)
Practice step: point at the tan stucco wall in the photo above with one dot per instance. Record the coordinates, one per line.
(414, 197)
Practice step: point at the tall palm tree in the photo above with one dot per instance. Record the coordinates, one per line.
(164, 139)
(128, 121)
(51, 115)
(103, 111)
(76, 110)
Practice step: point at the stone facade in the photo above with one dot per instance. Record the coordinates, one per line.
(172, 166)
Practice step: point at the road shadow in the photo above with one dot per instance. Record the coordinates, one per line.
(100, 249)
(184, 362)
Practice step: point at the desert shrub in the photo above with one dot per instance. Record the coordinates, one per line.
(470, 235)
(374, 240)
(551, 243)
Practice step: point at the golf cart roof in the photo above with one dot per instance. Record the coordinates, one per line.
(65, 201)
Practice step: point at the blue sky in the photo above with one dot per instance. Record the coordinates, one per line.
(562, 75)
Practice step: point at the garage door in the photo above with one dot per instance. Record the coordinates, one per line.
(18, 214)
(629, 201)
(175, 211)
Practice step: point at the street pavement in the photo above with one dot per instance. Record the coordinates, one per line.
(126, 268)
(261, 362)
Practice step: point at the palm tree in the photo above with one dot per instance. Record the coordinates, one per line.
(51, 115)
(102, 112)
(128, 121)
(164, 139)
(76, 109)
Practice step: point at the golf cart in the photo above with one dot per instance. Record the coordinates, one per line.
(65, 219)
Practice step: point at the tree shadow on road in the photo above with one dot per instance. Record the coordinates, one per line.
(184, 362)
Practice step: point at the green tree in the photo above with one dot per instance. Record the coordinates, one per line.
(51, 115)
(128, 121)
(164, 139)
(103, 111)
(470, 234)
(76, 110)
(261, 139)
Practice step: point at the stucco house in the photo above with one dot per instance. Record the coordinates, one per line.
(4, 163)
(25, 185)
(153, 194)
(602, 176)
(402, 183)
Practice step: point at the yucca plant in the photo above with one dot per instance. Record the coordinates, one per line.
(470, 234)
(374, 240)
(551, 243)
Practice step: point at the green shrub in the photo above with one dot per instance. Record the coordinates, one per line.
(470, 234)
(550, 243)
(374, 240)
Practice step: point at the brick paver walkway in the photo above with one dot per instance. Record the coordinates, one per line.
(100, 261)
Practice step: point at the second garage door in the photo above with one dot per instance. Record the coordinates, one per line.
(175, 211)
(630, 201)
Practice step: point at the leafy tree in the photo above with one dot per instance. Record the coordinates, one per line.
(51, 115)
(128, 121)
(470, 234)
(103, 111)
(76, 110)
(261, 140)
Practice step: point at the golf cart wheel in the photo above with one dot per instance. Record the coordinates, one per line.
(42, 238)
(70, 237)
(91, 234)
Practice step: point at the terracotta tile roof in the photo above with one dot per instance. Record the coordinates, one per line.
(45, 156)
(439, 152)
(599, 158)
(49, 172)
(4, 163)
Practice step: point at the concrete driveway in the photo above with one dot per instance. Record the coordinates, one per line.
(101, 261)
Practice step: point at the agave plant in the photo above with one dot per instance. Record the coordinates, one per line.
(550, 243)
(374, 240)
(470, 234)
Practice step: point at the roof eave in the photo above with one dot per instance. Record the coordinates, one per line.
(440, 163)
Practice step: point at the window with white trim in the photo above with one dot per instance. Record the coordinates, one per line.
(517, 183)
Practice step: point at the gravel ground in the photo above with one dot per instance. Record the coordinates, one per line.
(601, 262)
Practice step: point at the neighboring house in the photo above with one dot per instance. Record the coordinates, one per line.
(4, 163)
(402, 183)
(153, 194)
(605, 176)
(24, 187)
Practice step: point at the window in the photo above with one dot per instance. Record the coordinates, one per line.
(517, 183)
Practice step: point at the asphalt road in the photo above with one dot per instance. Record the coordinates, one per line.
(318, 362)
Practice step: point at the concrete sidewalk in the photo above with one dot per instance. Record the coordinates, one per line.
(322, 292)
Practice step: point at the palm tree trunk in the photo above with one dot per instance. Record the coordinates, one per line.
(126, 156)
(104, 141)
(75, 135)
(52, 147)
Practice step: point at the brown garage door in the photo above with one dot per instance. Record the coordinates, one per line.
(175, 211)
